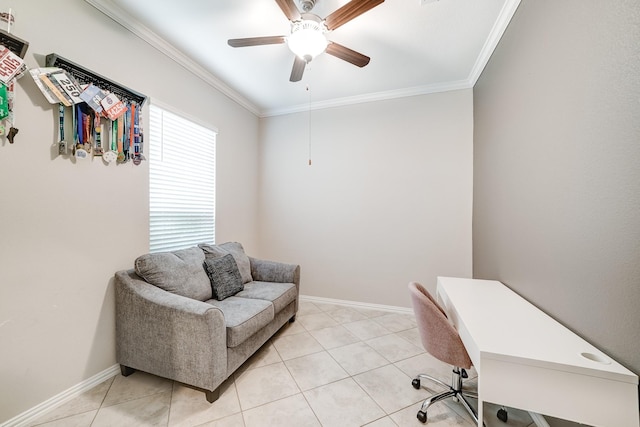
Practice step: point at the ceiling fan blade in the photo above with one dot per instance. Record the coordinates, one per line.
(289, 8)
(256, 41)
(347, 54)
(297, 70)
(349, 11)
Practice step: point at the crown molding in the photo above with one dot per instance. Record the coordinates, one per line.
(370, 97)
(499, 27)
(121, 17)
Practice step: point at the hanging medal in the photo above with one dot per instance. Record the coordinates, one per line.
(62, 144)
(75, 130)
(127, 134)
(13, 131)
(121, 156)
(97, 135)
(86, 132)
(80, 152)
(112, 155)
(137, 153)
(132, 113)
(141, 139)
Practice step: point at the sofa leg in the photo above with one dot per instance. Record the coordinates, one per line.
(293, 319)
(126, 371)
(212, 396)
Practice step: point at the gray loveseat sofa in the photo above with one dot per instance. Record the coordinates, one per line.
(169, 324)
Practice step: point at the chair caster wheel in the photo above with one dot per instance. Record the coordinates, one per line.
(503, 415)
(422, 417)
(416, 384)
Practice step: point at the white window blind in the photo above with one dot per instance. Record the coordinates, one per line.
(182, 171)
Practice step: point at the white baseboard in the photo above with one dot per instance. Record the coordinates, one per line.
(30, 415)
(355, 304)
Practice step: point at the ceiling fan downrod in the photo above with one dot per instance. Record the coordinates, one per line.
(307, 5)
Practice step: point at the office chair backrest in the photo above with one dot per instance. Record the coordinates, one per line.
(438, 336)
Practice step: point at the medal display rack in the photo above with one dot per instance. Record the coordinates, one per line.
(84, 76)
(13, 43)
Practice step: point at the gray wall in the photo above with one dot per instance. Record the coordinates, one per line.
(66, 226)
(557, 167)
(387, 199)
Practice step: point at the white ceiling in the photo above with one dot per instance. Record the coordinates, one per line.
(416, 47)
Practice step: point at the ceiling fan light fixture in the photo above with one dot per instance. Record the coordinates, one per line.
(307, 39)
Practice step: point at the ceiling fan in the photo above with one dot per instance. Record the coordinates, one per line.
(307, 38)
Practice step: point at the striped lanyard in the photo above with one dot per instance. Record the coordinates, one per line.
(62, 144)
(97, 135)
(121, 156)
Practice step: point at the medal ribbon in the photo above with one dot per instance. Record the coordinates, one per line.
(136, 133)
(132, 131)
(127, 132)
(114, 135)
(120, 123)
(75, 128)
(86, 127)
(79, 125)
(61, 116)
(97, 132)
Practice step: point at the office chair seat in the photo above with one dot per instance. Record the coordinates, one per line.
(441, 340)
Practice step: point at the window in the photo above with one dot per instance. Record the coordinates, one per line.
(182, 171)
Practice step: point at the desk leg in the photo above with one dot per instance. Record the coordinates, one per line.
(480, 412)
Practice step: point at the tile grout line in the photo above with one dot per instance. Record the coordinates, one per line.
(113, 379)
(337, 338)
(351, 377)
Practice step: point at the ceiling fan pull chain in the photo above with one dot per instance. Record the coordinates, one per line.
(309, 122)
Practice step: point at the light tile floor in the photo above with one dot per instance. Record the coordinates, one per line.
(335, 366)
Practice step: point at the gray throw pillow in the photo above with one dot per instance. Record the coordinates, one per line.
(235, 249)
(179, 272)
(224, 276)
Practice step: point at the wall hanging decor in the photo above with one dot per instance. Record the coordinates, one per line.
(88, 99)
(12, 67)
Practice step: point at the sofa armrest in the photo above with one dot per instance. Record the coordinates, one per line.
(272, 271)
(169, 335)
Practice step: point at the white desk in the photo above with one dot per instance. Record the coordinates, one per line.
(527, 360)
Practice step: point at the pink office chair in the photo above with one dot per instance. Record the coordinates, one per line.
(442, 341)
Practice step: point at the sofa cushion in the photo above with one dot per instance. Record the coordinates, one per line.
(235, 249)
(179, 272)
(280, 294)
(243, 317)
(224, 276)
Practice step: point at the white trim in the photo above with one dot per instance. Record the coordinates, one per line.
(370, 97)
(170, 108)
(137, 28)
(499, 27)
(355, 304)
(39, 410)
(538, 419)
(121, 17)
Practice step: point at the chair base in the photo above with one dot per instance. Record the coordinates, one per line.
(454, 391)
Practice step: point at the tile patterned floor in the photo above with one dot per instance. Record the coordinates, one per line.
(335, 366)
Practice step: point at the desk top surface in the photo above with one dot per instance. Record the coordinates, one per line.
(507, 327)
